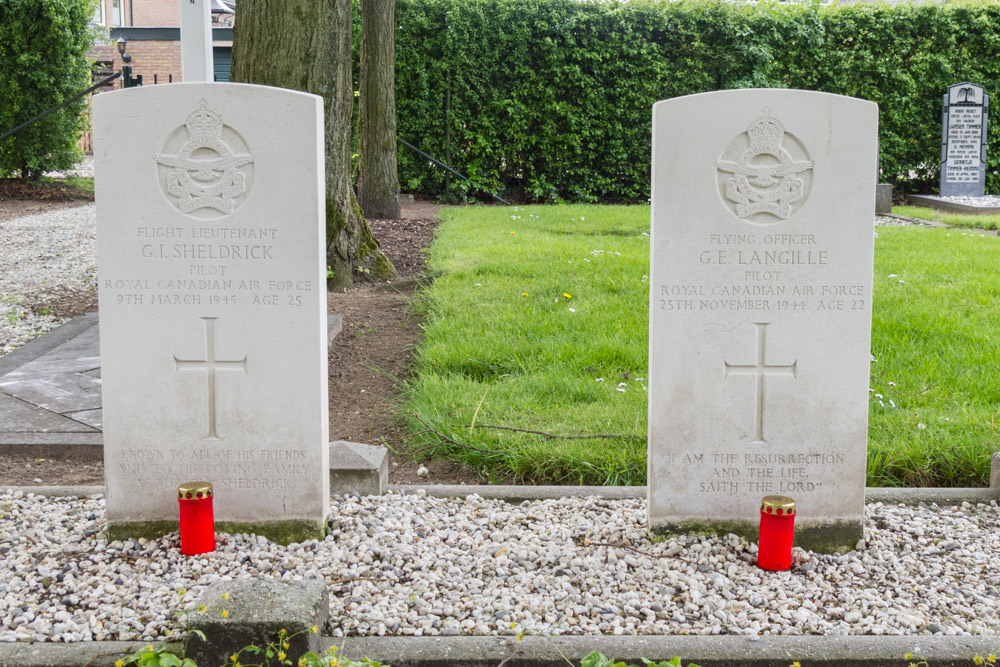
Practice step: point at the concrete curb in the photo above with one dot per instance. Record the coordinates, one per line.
(931, 201)
(724, 651)
(889, 496)
(51, 654)
(918, 221)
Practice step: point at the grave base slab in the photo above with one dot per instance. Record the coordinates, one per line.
(357, 469)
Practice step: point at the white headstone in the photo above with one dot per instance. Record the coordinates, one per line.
(211, 260)
(760, 311)
(196, 41)
(963, 140)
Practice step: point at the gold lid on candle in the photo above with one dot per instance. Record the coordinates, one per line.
(194, 490)
(778, 505)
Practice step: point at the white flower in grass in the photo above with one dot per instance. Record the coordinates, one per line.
(623, 384)
(622, 390)
(645, 233)
(879, 396)
(582, 218)
(422, 471)
(893, 275)
(881, 403)
(892, 403)
(873, 358)
(572, 310)
(586, 260)
(901, 282)
(892, 384)
(921, 426)
(479, 284)
(598, 379)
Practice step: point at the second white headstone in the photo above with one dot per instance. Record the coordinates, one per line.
(760, 311)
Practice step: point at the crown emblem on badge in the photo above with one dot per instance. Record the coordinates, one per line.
(203, 123)
(206, 173)
(765, 131)
(764, 176)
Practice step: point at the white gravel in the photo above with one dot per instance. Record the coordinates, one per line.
(418, 565)
(46, 254)
(985, 201)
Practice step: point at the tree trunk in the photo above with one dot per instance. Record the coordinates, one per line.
(378, 185)
(306, 45)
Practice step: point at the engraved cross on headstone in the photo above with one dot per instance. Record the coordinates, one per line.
(210, 365)
(761, 370)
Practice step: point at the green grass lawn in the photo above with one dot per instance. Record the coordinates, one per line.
(538, 320)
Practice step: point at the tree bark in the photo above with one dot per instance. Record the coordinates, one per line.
(378, 184)
(306, 45)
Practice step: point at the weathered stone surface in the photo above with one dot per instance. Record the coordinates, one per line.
(883, 198)
(760, 310)
(253, 612)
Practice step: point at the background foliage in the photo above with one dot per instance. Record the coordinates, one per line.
(43, 62)
(548, 100)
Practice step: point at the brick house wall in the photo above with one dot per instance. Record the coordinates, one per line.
(151, 28)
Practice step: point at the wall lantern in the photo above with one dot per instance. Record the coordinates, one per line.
(122, 43)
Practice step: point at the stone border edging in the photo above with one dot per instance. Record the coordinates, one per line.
(53, 654)
(511, 493)
(930, 201)
(707, 651)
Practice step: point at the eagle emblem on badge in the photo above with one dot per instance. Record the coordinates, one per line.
(765, 173)
(212, 170)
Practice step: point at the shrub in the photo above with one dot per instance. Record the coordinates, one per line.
(43, 46)
(550, 100)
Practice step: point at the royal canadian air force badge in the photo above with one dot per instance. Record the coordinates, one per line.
(764, 174)
(212, 170)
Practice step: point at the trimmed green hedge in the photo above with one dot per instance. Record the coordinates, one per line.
(551, 99)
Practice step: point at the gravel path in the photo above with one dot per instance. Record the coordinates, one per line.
(417, 565)
(49, 253)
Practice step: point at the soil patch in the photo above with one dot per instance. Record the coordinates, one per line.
(369, 361)
(20, 198)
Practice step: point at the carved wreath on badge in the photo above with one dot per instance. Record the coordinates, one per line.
(206, 173)
(762, 181)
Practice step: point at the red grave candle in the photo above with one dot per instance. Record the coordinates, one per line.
(197, 518)
(777, 528)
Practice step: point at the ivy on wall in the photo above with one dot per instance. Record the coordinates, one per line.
(548, 100)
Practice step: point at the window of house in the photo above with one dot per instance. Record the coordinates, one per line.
(116, 12)
(99, 13)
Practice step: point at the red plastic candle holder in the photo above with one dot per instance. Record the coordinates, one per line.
(197, 518)
(777, 531)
